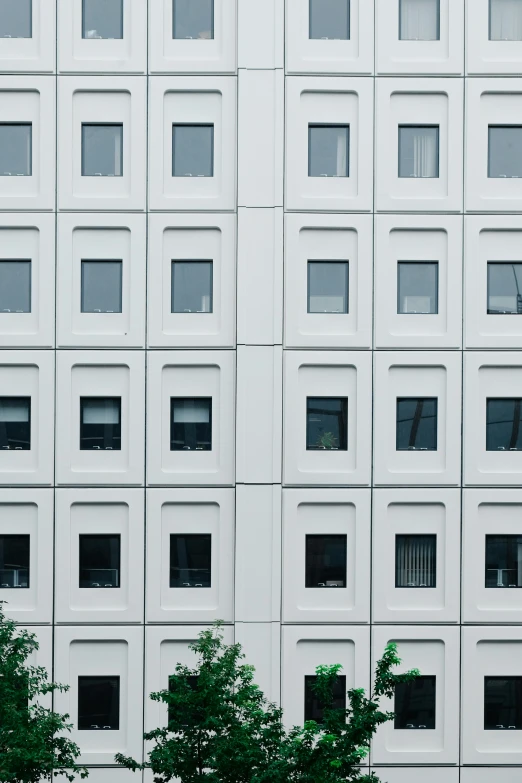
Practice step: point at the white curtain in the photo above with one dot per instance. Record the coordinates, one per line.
(416, 561)
(419, 20)
(342, 144)
(102, 412)
(14, 411)
(505, 22)
(117, 152)
(425, 154)
(191, 412)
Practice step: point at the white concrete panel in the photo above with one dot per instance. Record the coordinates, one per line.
(260, 34)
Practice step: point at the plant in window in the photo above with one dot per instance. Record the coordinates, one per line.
(327, 440)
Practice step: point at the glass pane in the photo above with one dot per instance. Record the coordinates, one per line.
(328, 150)
(503, 430)
(102, 150)
(330, 19)
(191, 287)
(418, 287)
(502, 703)
(415, 561)
(16, 19)
(193, 19)
(419, 151)
(416, 423)
(325, 561)
(14, 561)
(505, 151)
(327, 423)
(328, 286)
(100, 561)
(15, 149)
(191, 423)
(98, 703)
(419, 20)
(15, 286)
(503, 561)
(505, 20)
(101, 286)
(100, 423)
(15, 423)
(102, 19)
(312, 707)
(504, 288)
(415, 703)
(190, 560)
(192, 150)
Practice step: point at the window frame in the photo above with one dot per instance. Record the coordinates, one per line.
(516, 431)
(488, 540)
(192, 398)
(498, 40)
(348, 24)
(25, 398)
(117, 679)
(205, 538)
(210, 125)
(106, 537)
(99, 261)
(418, 399)
(184, 38)
(425, 40)
(310, 583)
(27, 540)
(517, 706)
(30, 167)
(91, 398)
(407, 688)
(329, 125)
(210, 262)
(410, 126)
(401, 264)
(490, 265)
(310, 697)
(433, 540)
(346, 264)
(101, 38)
(503, 126)
(20, 261)
(343, 414)
(23, 37)
(85, 125)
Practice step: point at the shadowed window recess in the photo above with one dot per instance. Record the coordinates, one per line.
(193, 19)
(312, 706)
(327, 423)
(100, 561)
(415, 560)
(419, 151)
(191, 423)
(504, 287)
(102, 18)
(15, 423)
(16, 149)
(417, 287)
(328, 286)
(419, 20)
(416, 424)
(102, 150)
(16, 18)
(502, 703)
(415, 703)
(101, 286)
(329, 20)
(15, 286)
(98, 703)
(503, 424)
(328, 150)
(190, 560)
(325, 561)
(15, 553)
(505, 151)
(100, 423)
(505, 20)
(192, 287)
(503, 561)
(192, 150)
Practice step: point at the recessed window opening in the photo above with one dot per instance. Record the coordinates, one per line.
(190, 560)
(16, 140)
(419, 151)
(505, 151)
(325, 561)
(102, 150)
(327, 423)
(503, 703)
(16, 18)
(312, 707)
(505, 20)
(416, 424)
(14, 561)
(419, 20)
(504, 288)
(417, 287)
(100, 423)
(15, 423)
(329, 20)
(192, 287)
(503, 424)
(328, 150)
(328, 286)
(415, 703)
(101, 286)
(15, 286)
(415, 560)
(102, 19)
(503, 561)
(100, 561)
(192, 150)
(99, 703)
(191, 423)
(193, 19)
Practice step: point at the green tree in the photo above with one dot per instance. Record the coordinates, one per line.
(32, 741)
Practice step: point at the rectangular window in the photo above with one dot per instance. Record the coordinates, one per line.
(327, 423)
(328, 286)
(193, 19)
(505, 151)
(190, 560)
(325, 561)
(192, 682)
(329, 20)
(102, 19)
(14, 561)
(98, 703)
(192, 286)
(503, 424)
(15, 423)
(503, 561)
(100, 423)
(504, 288)
(102, 150)
(419, 20)
(328, 150)
(101, 286)
(502, 703)
(415, 703)
(417, 287)
(16, 18)
(505, 20)
(100, 560)
(416, 424)
(191, 423)
(192, 150)
(419, 151)
(15, 286)
(16, 149)
(312, 707)
(415, 561)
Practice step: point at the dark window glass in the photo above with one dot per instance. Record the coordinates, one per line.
(16, 19)
(102, 19)
(192, 150)
(101, 286)
(16, 149)
(416, 423)
(193, 19)
(419, 20)
(417, 287)
(503, 424)
(328, 150)
(100, 560)
(327, 423)
(98, 703)
(191, 287)
(190, 560)
(503, 561)
(504, 288)
(505, 20)
(325, 561)
(15, 423)
(191, 423)
(100, 423)
(419, 151)
(415, 703)
(415, 561)
(192, 682)
(14, 561)
(505, 151)
(15, 286)
(330, 20)
(312, 708)
(502, 703)
(328, 286)
(102, 150)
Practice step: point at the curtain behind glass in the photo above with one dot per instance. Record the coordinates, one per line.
(505, 20)
(419, 20)
(415, 561)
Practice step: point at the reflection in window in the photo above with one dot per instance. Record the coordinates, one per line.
(419, 151)
(193, 19)
(415, 703)
(419, 20)
(102, 19)
(505, 151)
(329, 20)
(15, 423)
(100, 560)
(100, 423)
(325, 561)
(503, 561)
(327, 423)
(503, 424)
(192, 150)
(505, 20)
(14, 561)
(502, 703)
(328, 286)
(418, 287)
(191, 423)
(102, 150)
(504, 288)
(415, 560)
(101, 286)
(16, 18)
(98, 703)
(16, 149)
(328, 150)
(416, 423)
(191, 287)
(190, 560)
(312, 707)
(15, 286)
